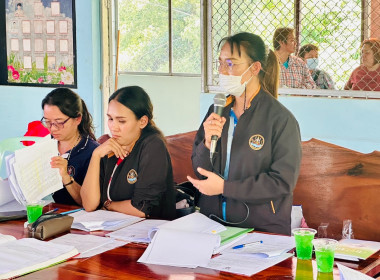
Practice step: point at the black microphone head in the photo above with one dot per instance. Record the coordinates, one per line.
(219, 103)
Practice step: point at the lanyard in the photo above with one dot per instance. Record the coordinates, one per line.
(113, 172)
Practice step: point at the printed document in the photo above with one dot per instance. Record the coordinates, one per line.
(347, 273)
(247, 265)
(269, 245)
(88, 245)
(102, 220)
(138, 232)
(30, 174)
(185, 242)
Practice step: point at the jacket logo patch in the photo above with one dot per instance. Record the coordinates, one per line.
(71, 170)
(132, 176)
(256, 142)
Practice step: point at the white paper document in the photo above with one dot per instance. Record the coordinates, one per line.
(347, 273)
(102, 220)
(29, 172)
(88, 245)
(247, 265)
(5, 238)
(188, 241)
(180, 248)
(138, 232)
(6, 194)
(269, 245)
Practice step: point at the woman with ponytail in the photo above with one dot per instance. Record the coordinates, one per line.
(69, 122)
(131, 172)
(249, 180)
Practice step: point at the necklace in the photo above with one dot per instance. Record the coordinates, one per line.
(76, 143)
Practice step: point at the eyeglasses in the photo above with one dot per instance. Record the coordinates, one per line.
(228, 64)
(57, 125)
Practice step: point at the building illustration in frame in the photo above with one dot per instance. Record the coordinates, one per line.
(41, 42)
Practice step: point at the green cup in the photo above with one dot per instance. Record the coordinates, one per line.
(34, 210)
(324, 253)
(303, 238)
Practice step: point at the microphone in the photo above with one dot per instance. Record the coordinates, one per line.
(219, 103)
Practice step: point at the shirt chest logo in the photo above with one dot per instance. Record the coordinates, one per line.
(132, 176)
(256, 142)
(71, 170)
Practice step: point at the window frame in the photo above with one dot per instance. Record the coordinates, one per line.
(207, 53)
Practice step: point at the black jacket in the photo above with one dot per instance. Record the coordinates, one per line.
(145, 177)
(264, 166)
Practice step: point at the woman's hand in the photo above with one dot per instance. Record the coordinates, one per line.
(213, 125)
(213, 185)
(111, 146)
(60, 163)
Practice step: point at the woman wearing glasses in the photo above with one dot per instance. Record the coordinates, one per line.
(250, 180)
(69, 122)
(131, 172)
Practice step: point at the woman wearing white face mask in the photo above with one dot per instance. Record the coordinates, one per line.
(309, 54)
(250, 181)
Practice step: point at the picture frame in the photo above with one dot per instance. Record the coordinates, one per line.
(38, 43)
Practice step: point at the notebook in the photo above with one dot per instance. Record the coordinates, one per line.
(355, 249)
(18, 257)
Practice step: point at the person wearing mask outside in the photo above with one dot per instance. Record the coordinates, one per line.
(309, 54)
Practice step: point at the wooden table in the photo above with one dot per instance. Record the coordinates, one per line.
(121, 263)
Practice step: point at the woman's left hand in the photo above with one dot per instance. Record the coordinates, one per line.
(61, 164)
(213, 185)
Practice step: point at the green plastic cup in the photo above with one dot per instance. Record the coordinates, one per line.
(303, 238)
(324, 253)
(34, 211)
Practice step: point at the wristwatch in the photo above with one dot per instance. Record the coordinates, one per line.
(107, 203)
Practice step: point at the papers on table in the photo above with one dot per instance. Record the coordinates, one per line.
(25, 255)
(350, 274)
(138, 232)
(102, 220)
(185, 242)
(88, 245)
(272, 245)
(30, 175)
(247, 265)
(5, 238)
(355, 249)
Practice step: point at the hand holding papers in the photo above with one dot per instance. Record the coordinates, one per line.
(30, 174)
(102, 220)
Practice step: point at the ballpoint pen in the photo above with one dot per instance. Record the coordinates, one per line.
(72, 211)
(52, 211)
(247, 244)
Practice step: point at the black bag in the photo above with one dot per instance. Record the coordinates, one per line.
(186, 191)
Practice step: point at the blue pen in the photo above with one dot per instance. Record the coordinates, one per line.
(72, 211)
(246, 245)
(52, 211)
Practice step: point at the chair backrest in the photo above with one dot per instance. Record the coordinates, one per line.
(10, 145)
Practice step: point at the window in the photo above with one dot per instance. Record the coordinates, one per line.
(159, 36)
(337, 27)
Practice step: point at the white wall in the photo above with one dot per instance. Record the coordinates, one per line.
(176, 100)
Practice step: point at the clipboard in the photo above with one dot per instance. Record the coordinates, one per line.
(12, 215)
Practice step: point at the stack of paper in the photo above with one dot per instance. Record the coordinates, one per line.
(268, 245)
(347, 273)
(28, 254)
(29, 172)
(355, 250)
(138, 232)
(88, 245)
(102, 220)
(185, 242)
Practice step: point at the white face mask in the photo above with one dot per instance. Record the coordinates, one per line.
(312, 63)
(232, 84)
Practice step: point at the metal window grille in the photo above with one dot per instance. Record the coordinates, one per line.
(336, 27)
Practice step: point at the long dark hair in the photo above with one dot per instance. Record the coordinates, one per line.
(138, 101)
(256, 51)
(70, 104)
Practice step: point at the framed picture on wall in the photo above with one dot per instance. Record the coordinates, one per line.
(37, 43)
